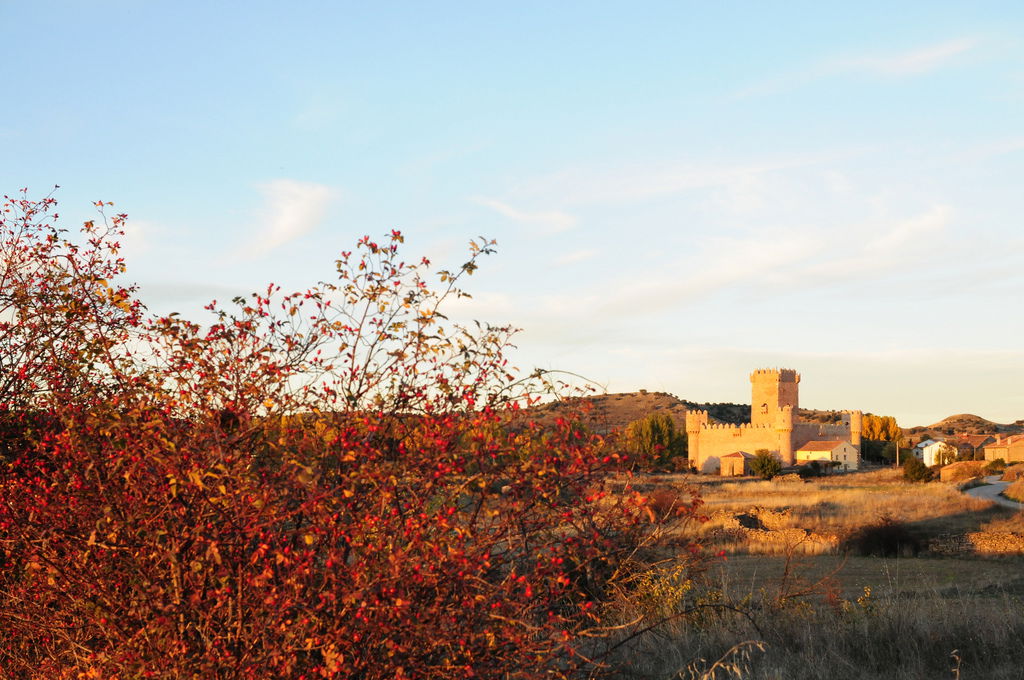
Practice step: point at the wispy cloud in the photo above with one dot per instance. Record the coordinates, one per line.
(626, 182)
(986, 150)
(575, 256)
(914, 62)
(550, 221)
(291, 209)
(770, 262)
(138, 237)
(895, 64)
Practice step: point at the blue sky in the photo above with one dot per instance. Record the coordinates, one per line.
(681, 192)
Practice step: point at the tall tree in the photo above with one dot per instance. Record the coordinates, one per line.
(656, 436)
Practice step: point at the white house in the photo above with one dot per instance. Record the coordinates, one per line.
(843, 453)
(930, 451)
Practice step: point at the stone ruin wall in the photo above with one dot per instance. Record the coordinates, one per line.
(978, 543)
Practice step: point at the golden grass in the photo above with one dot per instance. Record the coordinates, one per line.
(888, 577)
(1015, 491)
(932, 631)
(1010, 523)
(1013, 473)
(815, 516)
(812, 615)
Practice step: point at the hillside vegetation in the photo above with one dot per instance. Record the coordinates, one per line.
(616, 410)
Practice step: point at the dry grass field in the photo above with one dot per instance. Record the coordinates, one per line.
(752, 516)
(791, 600)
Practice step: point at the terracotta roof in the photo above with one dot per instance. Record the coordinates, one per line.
(738, 454)
(975, 439)
(1013, 439)
(820, 446)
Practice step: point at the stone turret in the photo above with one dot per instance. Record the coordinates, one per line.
(771, 389)
(695, 420)
(784, 428)
(856, 427)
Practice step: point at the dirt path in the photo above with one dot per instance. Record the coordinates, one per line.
(992, 491)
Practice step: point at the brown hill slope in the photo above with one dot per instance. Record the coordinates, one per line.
(617, 410)
(968, 423)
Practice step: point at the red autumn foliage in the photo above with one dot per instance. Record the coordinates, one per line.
(332, 483)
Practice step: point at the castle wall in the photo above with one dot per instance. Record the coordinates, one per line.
(716, 441)
(775, 399)
(809, 432)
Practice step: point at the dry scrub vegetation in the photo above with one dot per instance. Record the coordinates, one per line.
(1015, 491)
(754, 516)
(792, 600)
(932, 635)
(336, 483)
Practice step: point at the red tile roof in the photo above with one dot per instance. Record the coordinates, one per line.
(820, 446)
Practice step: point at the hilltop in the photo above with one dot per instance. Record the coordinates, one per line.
(616, 410)
(968, 423)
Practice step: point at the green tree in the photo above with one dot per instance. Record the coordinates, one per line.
(995, 466)
(656, 436)
(765, 465)
(947, 454)
(914, 470)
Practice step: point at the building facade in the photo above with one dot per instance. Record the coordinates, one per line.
(1009, 449)
(844, 454)
(775, 398)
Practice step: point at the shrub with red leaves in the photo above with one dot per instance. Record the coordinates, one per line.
(333, 483)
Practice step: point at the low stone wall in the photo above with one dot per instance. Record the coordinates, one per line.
(769, 529)
(978, 543)
(997, 543)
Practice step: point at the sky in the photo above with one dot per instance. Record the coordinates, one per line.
(681, 192)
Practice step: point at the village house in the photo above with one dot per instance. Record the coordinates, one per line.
(736, 464)
(1009, 449)
(930, 451)
(844, 454)
(971, 446)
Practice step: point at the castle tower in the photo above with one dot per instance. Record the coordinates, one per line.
(695, 420)
(784, 428)
(771, 390)
(856, 427)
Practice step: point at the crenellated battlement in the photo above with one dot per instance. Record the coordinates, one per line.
(738, 428)
(776, 374)
(695, 420)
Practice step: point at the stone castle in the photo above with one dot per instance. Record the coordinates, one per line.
(773, 425)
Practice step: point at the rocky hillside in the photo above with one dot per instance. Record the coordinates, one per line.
(967, 423)
(610, 411)
(619, 409)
